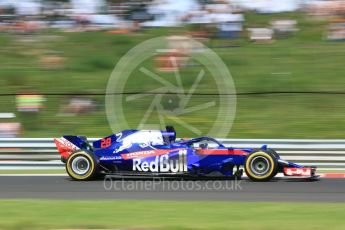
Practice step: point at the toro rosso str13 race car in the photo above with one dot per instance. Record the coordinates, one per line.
(158, 153)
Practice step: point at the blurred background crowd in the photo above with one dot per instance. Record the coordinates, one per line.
(286, 58)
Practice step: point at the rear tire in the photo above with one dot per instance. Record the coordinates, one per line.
(82, 166)
(261, 165)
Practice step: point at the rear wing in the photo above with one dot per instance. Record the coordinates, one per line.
(67, 145)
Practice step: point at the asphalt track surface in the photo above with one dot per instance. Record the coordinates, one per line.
(61, 187)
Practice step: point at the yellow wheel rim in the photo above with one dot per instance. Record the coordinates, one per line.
(249, 170)
(78, 176)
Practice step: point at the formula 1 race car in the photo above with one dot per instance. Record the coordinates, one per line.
(158, 153)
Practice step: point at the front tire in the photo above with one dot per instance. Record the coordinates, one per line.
(261, 165)
(82, 166)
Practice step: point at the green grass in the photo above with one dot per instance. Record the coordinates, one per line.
(303, 62)
(331, 171)
(34, 214)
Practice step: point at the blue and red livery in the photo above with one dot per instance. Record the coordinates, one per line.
(158, 153)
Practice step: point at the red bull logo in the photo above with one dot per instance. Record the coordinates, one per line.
(162, 164)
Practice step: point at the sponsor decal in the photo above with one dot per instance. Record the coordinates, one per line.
(145, 138)
(297, 171)
(147, 153)
(163, 164)
(110, 158)
(123, 147)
